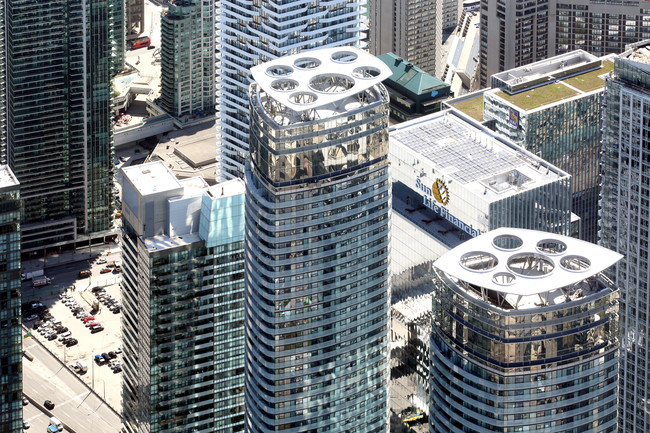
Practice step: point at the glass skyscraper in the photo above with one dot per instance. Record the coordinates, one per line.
(525, 336)
(183, 296)
(11, 406)
(59, 132)
(255, 31)
(624, 222)
(318, 244)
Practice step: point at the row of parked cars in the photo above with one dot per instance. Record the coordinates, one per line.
(78, 312)
(106, 299)
(52, 329)
(110, 359)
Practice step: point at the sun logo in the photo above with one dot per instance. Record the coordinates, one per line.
(440, 192)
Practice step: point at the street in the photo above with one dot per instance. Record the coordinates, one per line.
(45, 378)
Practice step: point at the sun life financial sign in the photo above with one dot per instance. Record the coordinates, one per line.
(437, 195)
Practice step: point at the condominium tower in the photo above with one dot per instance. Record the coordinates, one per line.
(625, 220)
(59, 132)
(11, 346)
(318, 244)
(183, 296)
(252, 35)
(411, 29)
(187, 57)
(524, 336)
(515, 33)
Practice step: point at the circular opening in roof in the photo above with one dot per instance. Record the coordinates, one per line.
(307, 63)
(551, 246)
(303, 98)
(344, 57)
(503, 278)
(530, 265)
(279, 71)
(284, 85)
(575, 263)
(479, 261)
(366, 72)
(331, 83)
(507, 242)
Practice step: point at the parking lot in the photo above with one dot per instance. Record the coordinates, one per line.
(63, 300)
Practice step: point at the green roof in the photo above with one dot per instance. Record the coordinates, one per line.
(473, 107)
(411, 77)
(591, 80)
(558, 90)
(539, 96)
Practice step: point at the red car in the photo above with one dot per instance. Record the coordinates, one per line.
(88, 319)
(105, 271)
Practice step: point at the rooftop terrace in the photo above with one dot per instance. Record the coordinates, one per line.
(558, 89)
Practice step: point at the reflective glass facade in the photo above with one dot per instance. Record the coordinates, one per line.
(187, 58)
(317, 267)
(567, 134)
(255, 31)
(59, 131)
(507, 361)
(625, 218)
(183, 296)
(11, 407)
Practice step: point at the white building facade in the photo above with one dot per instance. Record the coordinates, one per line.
(256, 31)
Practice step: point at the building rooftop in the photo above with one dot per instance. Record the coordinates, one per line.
(527, 268)
(485, 164)
(163, 242)
(227, 189)
(410, 77)
(7, 178)
(151, 177)
(319, 78)
(471, 104)
(552, 80)
(189, 152)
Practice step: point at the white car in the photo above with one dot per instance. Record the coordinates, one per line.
(101, 261)
(64, 335)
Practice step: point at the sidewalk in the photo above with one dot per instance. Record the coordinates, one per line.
(81, 255)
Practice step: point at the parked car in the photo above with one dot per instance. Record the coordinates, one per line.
(118, 350)
(38, 324)
(96, 329)
(26, 425)
(88, 319)
(101, 261)
(112, 355)
(99, 360)
(71, 342)
(117, 369)
(31, 317)
(48, 404)
(64, 335)
(105, 271)
(25, 401)
(62, 329)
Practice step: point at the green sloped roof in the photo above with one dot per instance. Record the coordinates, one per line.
(409, 76)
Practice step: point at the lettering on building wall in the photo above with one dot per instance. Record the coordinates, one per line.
(433, 202)
(513, 117)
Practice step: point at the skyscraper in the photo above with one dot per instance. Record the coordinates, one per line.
(514, 34)
(59, 130)
(187, 57)
(624, 221)
(11, 346)
(317, 244)
(524, 336)
(183, 296)
(252, 35)
(411, 29)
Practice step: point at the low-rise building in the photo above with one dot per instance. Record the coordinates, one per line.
(413, 92)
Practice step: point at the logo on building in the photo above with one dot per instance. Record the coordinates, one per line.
(514, 117)
(440, 192)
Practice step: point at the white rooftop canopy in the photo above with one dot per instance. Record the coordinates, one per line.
(525, 262)
(316, 78)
